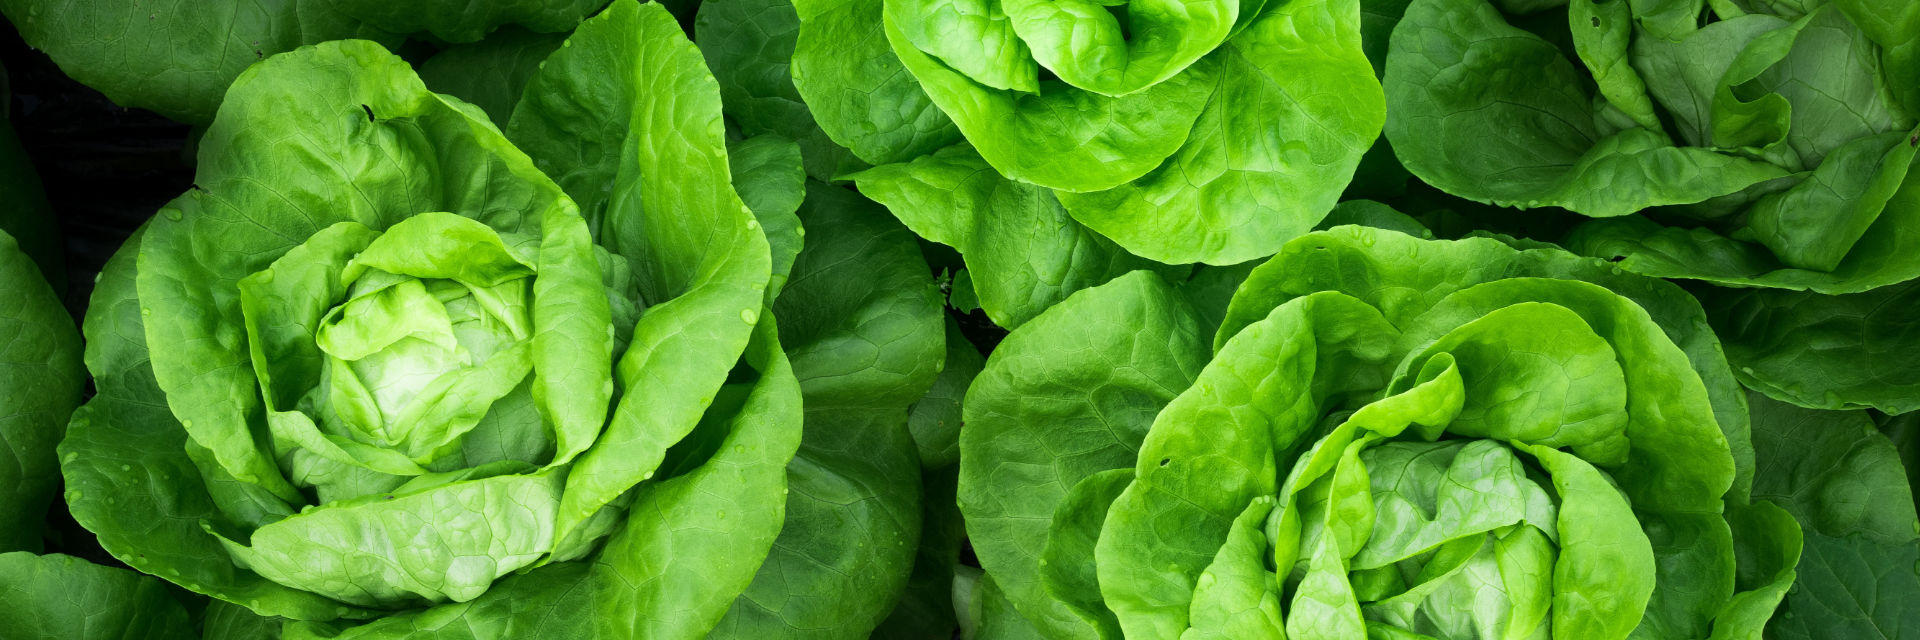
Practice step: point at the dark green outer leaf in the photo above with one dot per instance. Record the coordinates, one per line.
(66, 598)
(925, 610)
(29, 218)
(749, 44)
(493, 72)
(1844, 482)
(935, 420)
(40, 384)
(467, 21)
(175, 59)
(1492, 113)
(861, 320)
(1824, 351)
(1895, 26)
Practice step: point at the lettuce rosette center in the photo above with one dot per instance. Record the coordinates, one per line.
(397, 372)
(362, 377)
(420, 346)
(1495, 443)
(385, 342)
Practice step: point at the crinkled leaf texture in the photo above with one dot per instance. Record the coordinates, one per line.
(1217, 143)
(1767, 150)
(1387, 437)
(1765, 145)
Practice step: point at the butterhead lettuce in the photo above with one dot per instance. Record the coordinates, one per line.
(377, 370)
(1387, 437)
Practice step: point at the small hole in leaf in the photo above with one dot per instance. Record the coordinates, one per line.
(1616, 258)
(1596, 21)
(369, 111)
(1165, 461)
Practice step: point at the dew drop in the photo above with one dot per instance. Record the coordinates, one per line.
(750, 315)
(173, 214)
(144, 312)
(126, 467)
(720, 515)
(753, 224)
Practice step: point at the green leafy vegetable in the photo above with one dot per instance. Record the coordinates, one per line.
(178, 59)
(861, 320)
(1387, 437)
(419, 381)
(56, 596)
(1212, 133)
(1763, 144)
(40, 384)
(1846, 484)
